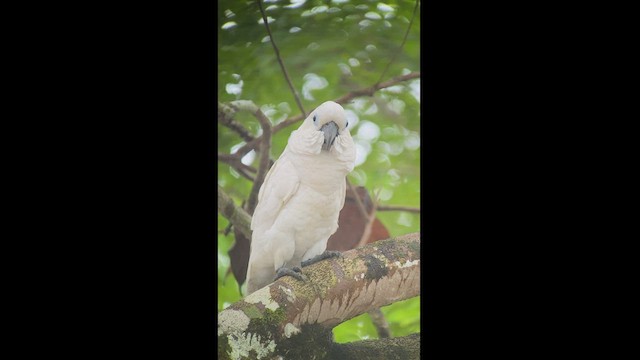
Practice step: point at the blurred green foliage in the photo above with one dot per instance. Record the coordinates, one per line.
(329, 48)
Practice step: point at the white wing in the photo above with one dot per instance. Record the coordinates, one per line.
(342, 191)
(280, 184)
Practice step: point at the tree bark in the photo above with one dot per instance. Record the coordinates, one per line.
(293, 319)
(236, 215)
(401, 348)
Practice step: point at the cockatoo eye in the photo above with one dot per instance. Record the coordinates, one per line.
(347, 124)
(315, 117)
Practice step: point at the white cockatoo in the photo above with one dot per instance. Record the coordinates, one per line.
(301, 198)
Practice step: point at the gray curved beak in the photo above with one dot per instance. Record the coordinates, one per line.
(330, 131)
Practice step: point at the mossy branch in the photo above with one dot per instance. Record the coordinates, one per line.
(283, 317)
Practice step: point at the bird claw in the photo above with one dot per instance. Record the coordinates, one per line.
(325, 255)
(295, 272)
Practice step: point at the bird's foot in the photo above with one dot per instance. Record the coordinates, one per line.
(295, 271)
(325, 255)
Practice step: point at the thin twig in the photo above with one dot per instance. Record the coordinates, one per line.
(398, 208)
(251, 145)
(237, 164)
(369, 224)
(363, 210)
(245, 174)
(284, 70)
(371, 90)
(225, 117)
(263, 167)
(404, 40)
(233, 160)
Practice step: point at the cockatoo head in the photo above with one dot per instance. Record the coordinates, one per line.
(325, 131)
(330, 119)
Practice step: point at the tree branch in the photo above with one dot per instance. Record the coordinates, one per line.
(369, 221)
(405, 347)
(398, 208)
(225, 117)
(380, 322)
(341, 100)
(264, 165)
(292, 318)
(237, 164)
(284, 70)
(235, 214)
(361, 207)
(246, 148)
(235, 161)
(371, 90)
(235, 158)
